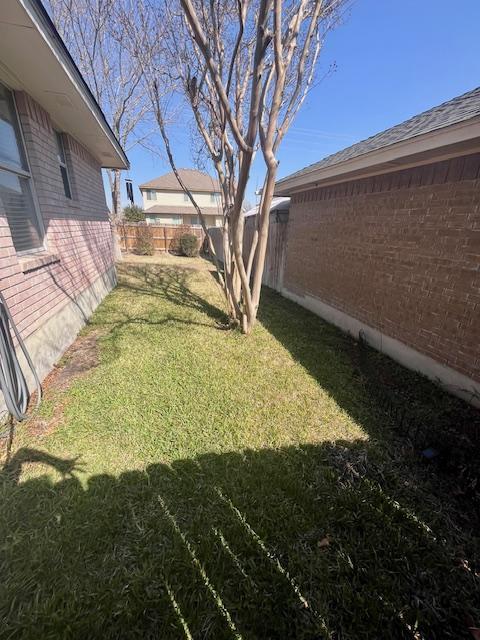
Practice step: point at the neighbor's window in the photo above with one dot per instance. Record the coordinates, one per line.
(185, 197)
(177, 220)
(194, 220)
(16, 195)
(213, 197)
(62, 161)
(151, 195)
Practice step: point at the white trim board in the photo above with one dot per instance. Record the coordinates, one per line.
(450, 380)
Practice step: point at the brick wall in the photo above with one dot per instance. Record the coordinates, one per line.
(399, 252)
(78, 231)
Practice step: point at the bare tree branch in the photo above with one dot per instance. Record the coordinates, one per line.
(243, 68)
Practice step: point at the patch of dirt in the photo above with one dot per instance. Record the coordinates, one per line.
(80, 358)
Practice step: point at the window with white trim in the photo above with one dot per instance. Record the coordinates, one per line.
(151, 195)
(16, 193)
(62, 161)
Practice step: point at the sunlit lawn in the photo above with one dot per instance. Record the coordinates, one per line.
(231, 487)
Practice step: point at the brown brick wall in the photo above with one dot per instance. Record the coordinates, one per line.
(78, 231)
(399, 252)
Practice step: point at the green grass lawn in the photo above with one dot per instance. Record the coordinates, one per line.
(200, 484)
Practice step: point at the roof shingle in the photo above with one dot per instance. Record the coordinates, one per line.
(193, 179)
(457, 110)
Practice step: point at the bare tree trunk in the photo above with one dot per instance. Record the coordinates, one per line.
(244, 68)
(114, 180)
(116, 194)
(263, 229)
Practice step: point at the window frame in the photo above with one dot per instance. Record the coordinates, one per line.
(149, 193)
(27, 174)
(63, 164)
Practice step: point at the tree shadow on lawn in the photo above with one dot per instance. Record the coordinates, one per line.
(170, 283)
(340, 540)
(358, 376)
(402, 411)
(159, 283)
(299, 542)
(396, 406)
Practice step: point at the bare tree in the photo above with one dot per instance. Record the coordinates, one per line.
(96, 38)
(244, 68)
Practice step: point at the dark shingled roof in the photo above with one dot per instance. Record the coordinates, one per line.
(193, 179)
(462, 108)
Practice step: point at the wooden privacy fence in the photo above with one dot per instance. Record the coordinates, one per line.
(165, 237)
(276, 250)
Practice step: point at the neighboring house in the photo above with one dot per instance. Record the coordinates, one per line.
(56, 259)
(384, 239)
(165, 202)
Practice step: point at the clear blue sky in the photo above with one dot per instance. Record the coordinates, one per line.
(393, 60)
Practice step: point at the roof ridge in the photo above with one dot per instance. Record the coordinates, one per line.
(195, 180)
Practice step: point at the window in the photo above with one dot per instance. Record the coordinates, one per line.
(177, 220)
(194, 220)
(151, 195)
(16, 194)
(213, 197)
(185, 197)
(62, 161)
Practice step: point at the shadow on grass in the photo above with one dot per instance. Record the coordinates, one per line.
(357, 376)
(169, 283)
(394, 405)
(160, 283)
(300, 542)
(344, 541)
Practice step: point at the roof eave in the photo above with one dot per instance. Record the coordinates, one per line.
(458, 139)
(47, 30)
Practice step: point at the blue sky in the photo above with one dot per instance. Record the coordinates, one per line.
(393, 60)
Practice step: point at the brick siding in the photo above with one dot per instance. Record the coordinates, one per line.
(78, 231)
(399, 252)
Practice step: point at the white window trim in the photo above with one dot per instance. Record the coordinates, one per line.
(26, 174)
